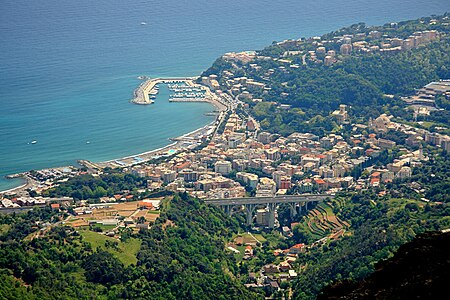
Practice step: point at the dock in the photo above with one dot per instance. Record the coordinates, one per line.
(141, 94)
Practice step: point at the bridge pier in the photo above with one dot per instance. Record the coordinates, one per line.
(228, 209)
(249, 209)
(272, 207)
(293, 209)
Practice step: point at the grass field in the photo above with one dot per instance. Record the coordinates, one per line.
(126, 252)
(4, 228)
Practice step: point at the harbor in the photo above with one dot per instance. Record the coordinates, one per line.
(147, 90)
(183, 90)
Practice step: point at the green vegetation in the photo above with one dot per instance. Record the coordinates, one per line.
(419, 269)
(88, 187)
(359, 81)
(181, 257)
(318, 223)
(379, 225)
(125, 251)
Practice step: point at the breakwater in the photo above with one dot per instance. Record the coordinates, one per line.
(141, 94)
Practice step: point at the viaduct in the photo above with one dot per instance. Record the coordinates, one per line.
(251, 203)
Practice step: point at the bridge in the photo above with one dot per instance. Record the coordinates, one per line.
(250, 204)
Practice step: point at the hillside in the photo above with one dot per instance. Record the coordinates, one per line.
(419, 269)
(295, 85)
(181, 257)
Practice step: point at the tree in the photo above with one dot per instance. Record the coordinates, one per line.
(301, 235)
(102, 267)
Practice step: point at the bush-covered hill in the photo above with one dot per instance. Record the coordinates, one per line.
(182, 257)
(419, 269)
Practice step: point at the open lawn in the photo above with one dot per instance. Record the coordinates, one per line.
(126, 251)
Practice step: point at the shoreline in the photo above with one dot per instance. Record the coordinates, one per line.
(141, 93)
(178, 144)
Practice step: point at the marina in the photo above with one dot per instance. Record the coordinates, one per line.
(183, 90)
(147, 90)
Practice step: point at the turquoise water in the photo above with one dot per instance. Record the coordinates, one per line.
(68, 68)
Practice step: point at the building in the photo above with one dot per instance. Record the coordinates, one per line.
(262, 217)
(445, 143)
(222, 167)
(346, 49)
(405, 172)
(168, 176)
(385, 144)
(341, 115)
(189, 175)
(266, 188)
(285, 182)
(264, 137)
(277, 175)
(433, 138)
(249, 179)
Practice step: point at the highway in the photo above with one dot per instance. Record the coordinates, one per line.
(267, 200)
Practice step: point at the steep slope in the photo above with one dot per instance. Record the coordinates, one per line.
(419, 270)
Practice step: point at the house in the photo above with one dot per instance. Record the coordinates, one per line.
(296, 249)
(248, 250)
(283, 277)
(278, 252)
(55, 206)
(145, 225)
(239, 241)
(252, 277)
(286, 231)
(292, 274)
(146, 205)
(270, 269)
(284, 266)
(274, 286)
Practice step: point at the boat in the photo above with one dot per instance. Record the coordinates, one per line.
(88, 142)
(33, 142)
(143, 23)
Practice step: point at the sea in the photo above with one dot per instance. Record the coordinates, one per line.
(68, 68)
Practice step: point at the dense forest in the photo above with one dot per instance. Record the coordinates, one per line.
(181, 257)
(419, 269)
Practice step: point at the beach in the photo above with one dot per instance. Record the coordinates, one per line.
(179, 144)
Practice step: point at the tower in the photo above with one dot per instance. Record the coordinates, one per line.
(421, 152)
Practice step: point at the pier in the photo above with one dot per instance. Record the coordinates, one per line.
(141, 94)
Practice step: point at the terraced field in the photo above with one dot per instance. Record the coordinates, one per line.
(321, 222)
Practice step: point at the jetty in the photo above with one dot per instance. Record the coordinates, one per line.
(149, 87)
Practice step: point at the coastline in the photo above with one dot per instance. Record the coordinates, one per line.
(141, 93)
(178, 144)
(181, 143)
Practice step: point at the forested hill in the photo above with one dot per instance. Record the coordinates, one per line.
(181, 257)
(419, 269)
(314, 76)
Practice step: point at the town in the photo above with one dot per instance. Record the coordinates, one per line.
(288, 192)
